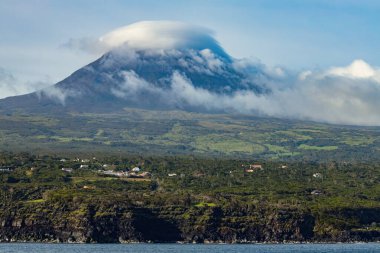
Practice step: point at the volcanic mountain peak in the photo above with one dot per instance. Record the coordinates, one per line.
(148, 65)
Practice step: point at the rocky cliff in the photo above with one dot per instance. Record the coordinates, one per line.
(116, 223)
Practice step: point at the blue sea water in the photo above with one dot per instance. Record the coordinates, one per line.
(189, 248)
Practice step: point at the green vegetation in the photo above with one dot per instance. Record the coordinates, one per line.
(35, 201)
(226, 145)
(331, 201)
(182, 133)
(359, 140)
(327, 148)
(203, 204)
(319, 182)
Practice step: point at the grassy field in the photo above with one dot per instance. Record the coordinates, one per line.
(176, 132)
(318, 148)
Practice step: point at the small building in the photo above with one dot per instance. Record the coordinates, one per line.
(256, 166)
(69, 170)
(284, 166)
(88, 187)
(252, 168)
(317, 175)
(114, 173)
(5, 169)
(136, 169)
(85, 160)
(63, 160)
(84, 166)
(316, 192)
(172, 174)
(120, 174)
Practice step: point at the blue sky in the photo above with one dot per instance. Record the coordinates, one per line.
(295, 34)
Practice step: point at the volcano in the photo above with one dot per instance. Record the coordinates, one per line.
(149, 65)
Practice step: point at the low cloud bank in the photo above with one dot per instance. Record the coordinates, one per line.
(10, 86)
(342, 95)
(57, 94)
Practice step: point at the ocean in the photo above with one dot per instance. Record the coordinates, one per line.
(189, 248)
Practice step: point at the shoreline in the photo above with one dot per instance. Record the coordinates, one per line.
(192, 243)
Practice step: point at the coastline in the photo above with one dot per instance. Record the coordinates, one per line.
(193, 242)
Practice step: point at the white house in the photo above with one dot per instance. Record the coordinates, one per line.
(5, 169)
(69, 170)
(316, 192)
(136, 169)
(256, 166)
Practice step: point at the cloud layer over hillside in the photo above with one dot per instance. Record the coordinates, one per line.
(343, 95)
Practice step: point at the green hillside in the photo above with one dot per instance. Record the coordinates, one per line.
(177, 132)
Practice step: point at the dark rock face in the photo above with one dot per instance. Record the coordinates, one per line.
(169, 224)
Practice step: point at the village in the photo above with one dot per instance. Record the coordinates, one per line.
(137, 169)
(136, 172)
(107, 169)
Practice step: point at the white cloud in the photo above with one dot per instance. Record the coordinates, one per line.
(320, 96)
(132, 86)
(151, 35)
(10, 86)
(159, 35)
(212, 61)
(305, 74)
(89, 45)
(57, 94)
(357, 69)
(344, 95)
(183, 91)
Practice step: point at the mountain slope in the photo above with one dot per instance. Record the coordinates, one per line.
(141, 79)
